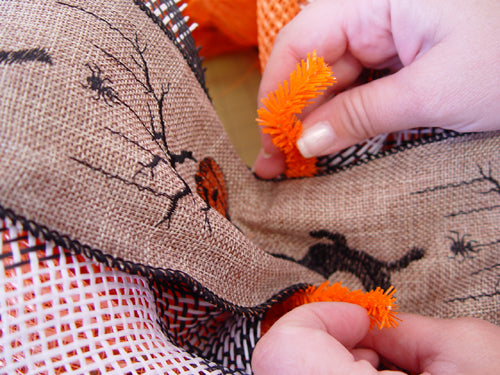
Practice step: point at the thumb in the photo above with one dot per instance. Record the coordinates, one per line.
(439, 346)
(317, 338)
(382, 106)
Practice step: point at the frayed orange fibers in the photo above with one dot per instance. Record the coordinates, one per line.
(278, 116)
(379, 304)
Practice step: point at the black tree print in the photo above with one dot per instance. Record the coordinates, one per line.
(463, 246)
(101, 87)
(485, 178)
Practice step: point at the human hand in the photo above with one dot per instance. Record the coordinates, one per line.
(443, 54)
(334, 338)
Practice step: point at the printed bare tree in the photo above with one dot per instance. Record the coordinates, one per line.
(102, 88)
(463, 247)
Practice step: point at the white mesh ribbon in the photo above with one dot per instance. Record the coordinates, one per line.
(62, 312)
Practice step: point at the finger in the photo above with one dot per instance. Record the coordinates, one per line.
(347, 323)
(397, 102)
(366, 354)
(346, 71)
(354, 116)
(411, 344)
(319, 27)
(313, 339)
(439, 346)
(270, 162)
(269, 165)
(333, 28)
(298, 38)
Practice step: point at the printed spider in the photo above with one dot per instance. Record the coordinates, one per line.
(460, 246)
(96, 83)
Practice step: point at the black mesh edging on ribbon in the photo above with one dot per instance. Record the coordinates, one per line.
(152, 273)
(340, 161)
(176, 29)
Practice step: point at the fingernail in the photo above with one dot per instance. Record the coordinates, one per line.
(264, 154)
(316, 139)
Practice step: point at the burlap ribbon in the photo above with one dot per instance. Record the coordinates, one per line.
(104, 128)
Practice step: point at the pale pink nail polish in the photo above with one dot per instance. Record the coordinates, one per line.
(316, 139)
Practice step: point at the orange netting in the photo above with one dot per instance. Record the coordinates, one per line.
(222, 25)
(231, 25)
(272, 15)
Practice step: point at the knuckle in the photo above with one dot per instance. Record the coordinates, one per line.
(355, 116)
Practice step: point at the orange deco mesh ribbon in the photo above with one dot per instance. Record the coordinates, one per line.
(272, 15)
(222, 26)
(230, 25)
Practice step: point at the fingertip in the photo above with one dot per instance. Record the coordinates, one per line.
(408, 344)
(347, 322)
(315, 338)
(268, 166)
(368, 355)
(353, 323)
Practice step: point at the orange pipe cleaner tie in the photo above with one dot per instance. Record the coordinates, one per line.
(380, 305)
(278, 116)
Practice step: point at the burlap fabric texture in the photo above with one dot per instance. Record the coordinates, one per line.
(130, 224)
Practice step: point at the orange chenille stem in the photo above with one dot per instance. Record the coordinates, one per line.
(278, 116)
(379, 304)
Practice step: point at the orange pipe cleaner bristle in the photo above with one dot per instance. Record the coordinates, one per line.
(379, 304)
(278, 116)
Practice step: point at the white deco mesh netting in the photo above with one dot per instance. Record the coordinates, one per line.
(61, 312)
